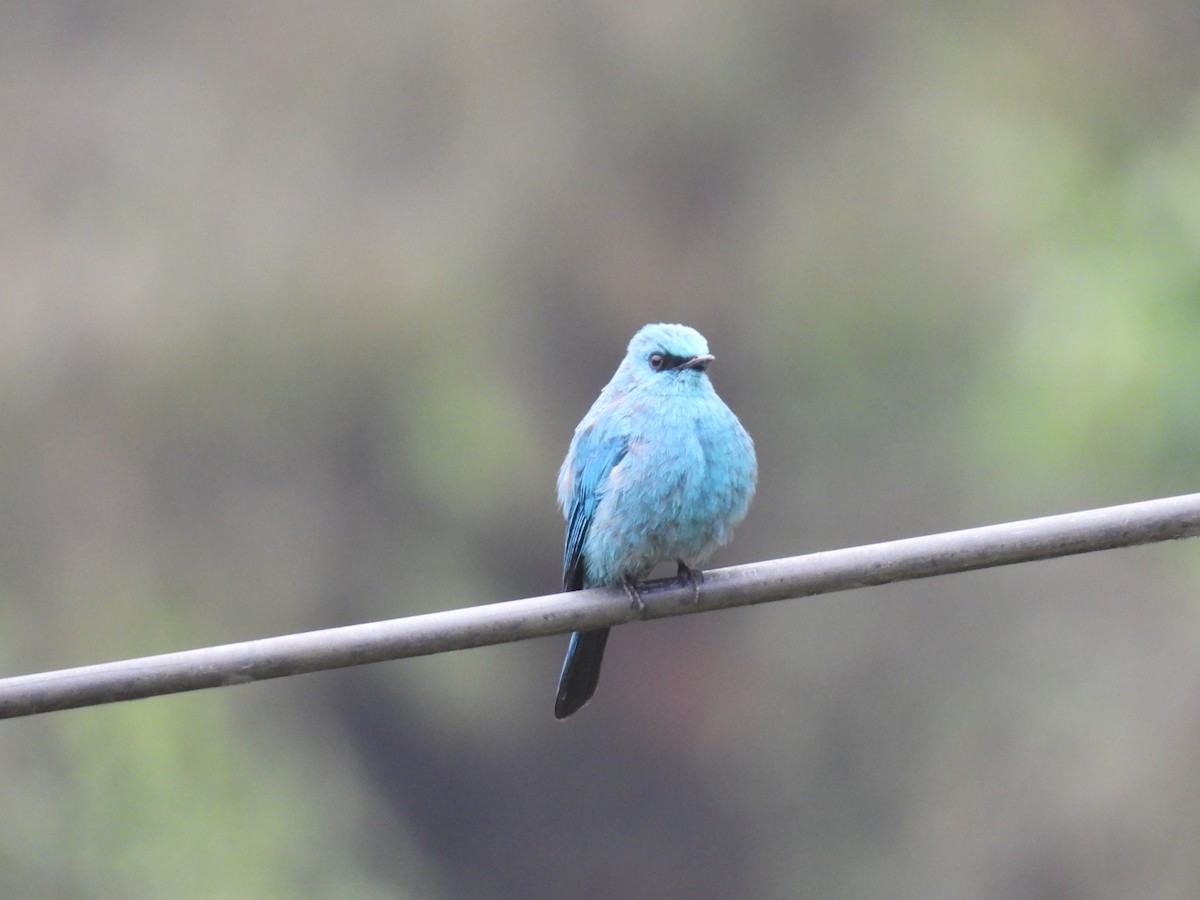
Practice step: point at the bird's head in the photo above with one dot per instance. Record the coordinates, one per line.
(663, 351)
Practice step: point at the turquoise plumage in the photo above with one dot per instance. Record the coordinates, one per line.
(659, 470)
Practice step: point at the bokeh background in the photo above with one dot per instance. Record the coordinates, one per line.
(300, 303)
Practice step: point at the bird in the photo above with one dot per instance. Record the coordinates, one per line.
(659, 470)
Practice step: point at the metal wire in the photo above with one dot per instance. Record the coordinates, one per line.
(800, 576)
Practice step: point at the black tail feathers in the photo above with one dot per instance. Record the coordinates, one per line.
(581, 671)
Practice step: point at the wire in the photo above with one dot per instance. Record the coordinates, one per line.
(1145, 522)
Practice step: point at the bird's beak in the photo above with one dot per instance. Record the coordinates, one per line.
(700, 363)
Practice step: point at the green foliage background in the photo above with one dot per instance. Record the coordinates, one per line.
(299, 304)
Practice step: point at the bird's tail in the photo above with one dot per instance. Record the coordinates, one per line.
(581, 671)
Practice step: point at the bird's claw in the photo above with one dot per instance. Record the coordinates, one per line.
(694, 577)
(635, 598)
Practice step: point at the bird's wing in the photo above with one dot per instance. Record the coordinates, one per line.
(595, 457)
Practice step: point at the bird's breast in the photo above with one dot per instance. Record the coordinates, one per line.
(676, 494)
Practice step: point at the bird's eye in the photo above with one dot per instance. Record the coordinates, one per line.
(656, 361)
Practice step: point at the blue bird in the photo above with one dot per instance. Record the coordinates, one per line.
(659, 469)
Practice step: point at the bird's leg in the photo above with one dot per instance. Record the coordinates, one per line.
(635, 598)
(694, 577)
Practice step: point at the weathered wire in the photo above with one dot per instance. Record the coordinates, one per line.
(800, 576)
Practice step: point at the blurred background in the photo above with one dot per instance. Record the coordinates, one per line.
(300, 304)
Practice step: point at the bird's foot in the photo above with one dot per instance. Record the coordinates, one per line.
(694, 577)
(635, 598)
